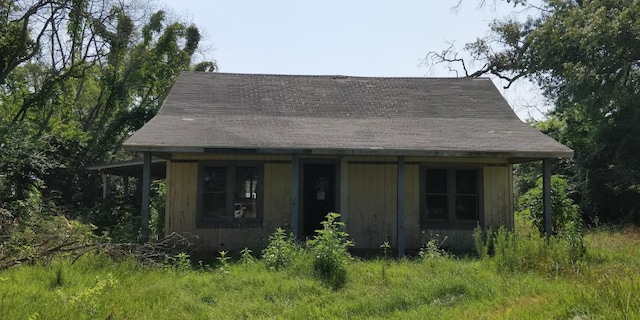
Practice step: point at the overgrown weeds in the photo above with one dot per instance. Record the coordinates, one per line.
(329, 247)
(281, 250)
(530, 251)
(440, 288)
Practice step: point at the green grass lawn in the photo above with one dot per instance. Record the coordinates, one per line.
(606, 285)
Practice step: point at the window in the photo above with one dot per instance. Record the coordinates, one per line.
(450, 196)
(230, 195)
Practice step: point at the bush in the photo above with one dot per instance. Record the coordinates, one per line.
(38, 231)
(431, 249)
(563, 210)
(329, 247)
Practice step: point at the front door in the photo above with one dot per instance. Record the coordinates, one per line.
(319, 188)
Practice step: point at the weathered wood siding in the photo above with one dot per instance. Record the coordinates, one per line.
(371, 201)
(372, 204)
(498, 196)
(181, 209)
(182, 187)
(413, 232)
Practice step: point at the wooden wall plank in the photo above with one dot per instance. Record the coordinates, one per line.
(412, 206)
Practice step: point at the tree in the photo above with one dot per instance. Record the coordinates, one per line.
(585, 55)
(77, 77)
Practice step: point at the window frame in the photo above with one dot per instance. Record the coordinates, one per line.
(451, 222)
(231, 221)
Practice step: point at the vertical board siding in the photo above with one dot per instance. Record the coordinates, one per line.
(498, 196)
(412, 207)
(182, 185)
(372, 204)
(277, 196)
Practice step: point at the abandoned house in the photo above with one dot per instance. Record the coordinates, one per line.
(400, 159)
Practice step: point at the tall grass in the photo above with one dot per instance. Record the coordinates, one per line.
(434, 286)
(526, 250)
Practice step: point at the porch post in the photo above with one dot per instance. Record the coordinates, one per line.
(344, 190)
(295, 176)
(146, 189)
(546, 196)
(400, 213)
(125, 181)
(104, 185)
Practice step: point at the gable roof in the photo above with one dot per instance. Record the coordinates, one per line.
(453, 117)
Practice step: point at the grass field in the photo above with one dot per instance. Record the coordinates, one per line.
(604, 285)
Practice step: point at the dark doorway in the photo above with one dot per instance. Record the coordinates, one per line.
(319, 189)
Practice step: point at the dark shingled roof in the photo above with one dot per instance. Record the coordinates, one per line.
(454, 117)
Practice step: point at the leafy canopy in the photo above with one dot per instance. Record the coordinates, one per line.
(585, 55)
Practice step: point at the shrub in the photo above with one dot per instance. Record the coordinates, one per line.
(432, 249)
(280, 251)
(563, 210)
(35, 230)
(329, 247)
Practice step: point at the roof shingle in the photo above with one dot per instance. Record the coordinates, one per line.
(341, 115)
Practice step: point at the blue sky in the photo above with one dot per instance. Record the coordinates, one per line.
(353, 38)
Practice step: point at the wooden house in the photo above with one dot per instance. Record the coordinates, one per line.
(401, 159)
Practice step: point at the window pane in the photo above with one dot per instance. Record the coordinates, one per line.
(436, 207)
(436, 181)
(214, 197)
(214, 205)
(467, 207)
(466, 182)
(245, 193)
(215, 179)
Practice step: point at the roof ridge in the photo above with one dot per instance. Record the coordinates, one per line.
(335, 76)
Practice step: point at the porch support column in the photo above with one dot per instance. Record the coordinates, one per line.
(295, 186)
(400, 213)
(546, 196)
(104, 185)
(344, 191)
(125, 181)
(146, 190)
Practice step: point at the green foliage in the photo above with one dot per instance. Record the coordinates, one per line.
(34, 230)
(157, 209)
(386, 247)
(584, 55)
(179, 262)
(65, 104)
(606, 287)
(246, 257)
(223, 260)
(329, 247)
(526, 174)
(564, 213)
(281, 250)
(431, 250)
(526, 251)
(481, 243)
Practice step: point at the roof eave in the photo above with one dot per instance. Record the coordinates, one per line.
(512, 156)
